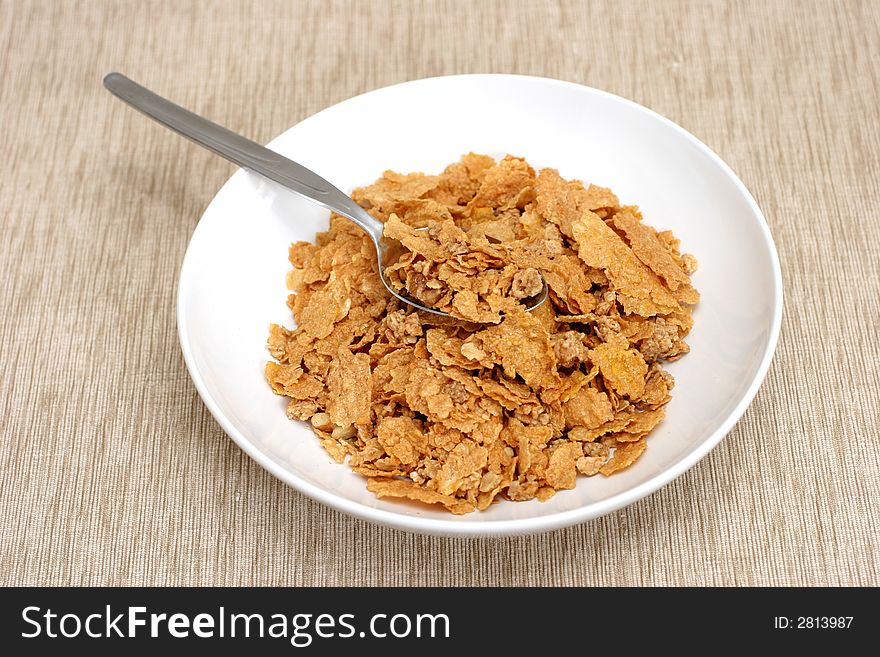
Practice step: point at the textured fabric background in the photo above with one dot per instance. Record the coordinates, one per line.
(113, 472)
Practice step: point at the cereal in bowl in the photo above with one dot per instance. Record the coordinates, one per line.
(494, 402)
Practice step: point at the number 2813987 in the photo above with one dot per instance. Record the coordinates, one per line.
(813, 622)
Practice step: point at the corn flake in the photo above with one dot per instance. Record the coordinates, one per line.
(495, 403)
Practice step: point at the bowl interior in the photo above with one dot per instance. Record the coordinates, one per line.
(232, 284)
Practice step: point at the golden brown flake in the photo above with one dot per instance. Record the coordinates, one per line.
(625, 455)
(406, 489)
(623, 369)
(639, 289)
(349, 386)
(587, 408)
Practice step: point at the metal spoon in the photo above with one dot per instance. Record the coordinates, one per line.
(251, 155)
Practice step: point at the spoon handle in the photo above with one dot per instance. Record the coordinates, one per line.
(242, 151)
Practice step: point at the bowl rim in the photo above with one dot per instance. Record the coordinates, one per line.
(450, 526)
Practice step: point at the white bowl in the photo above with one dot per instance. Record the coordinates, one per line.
(232, 283)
